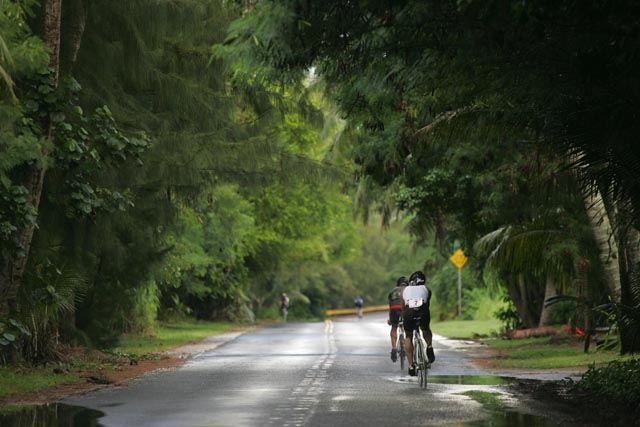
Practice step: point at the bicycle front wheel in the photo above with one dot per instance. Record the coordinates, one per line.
(417, 356)
(424, 373)
(419, 349)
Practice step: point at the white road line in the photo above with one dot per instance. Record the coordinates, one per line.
(304, 398)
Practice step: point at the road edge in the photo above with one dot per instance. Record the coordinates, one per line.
(167, 360)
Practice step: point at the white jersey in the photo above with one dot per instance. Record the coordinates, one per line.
(415, 296)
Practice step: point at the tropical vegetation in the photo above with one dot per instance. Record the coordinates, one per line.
(196, 159)
(500, 127)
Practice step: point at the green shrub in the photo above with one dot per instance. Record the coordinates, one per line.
(11, 331)
(508, 314)
(618, 382)
(481, 303)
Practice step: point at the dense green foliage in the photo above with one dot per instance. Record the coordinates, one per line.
(200, 158)
(22, 55)
(186, 192)
(500, 119)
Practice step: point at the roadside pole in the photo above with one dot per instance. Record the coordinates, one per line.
(459, 291)
(459, 260)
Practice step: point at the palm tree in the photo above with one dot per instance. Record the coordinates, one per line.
(535, 260)
(50, 296)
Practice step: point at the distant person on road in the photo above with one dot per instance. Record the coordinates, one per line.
(358, 302)
(284, 306)
(415, 304)
(395, 311)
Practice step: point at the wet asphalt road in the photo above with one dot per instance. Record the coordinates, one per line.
(296, 374)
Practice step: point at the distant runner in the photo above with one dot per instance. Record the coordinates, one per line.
(284, 306)
(358, 302)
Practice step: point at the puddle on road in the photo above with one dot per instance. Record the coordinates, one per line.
(502, 416)
(514, 419)
(50, 415)
(470, 379)
(499, 412)
(462, 379)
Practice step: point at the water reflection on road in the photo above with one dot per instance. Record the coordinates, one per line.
(502, 408)
(514, 419)
(471, 379)
(50, 415)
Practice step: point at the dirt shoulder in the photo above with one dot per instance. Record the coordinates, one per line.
(120, 371)
(92, 379)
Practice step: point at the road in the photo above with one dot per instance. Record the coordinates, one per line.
(337, 373)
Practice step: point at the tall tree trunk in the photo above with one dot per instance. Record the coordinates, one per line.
(549, 291)
(13, 270)
(77, 26)
(606, 241)
(51, 36)
(524, 300)
(629, 238)
(583, 293)
(632, 256)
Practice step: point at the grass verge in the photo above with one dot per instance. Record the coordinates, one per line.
(531, 353)
(28, 379)
(547, 353)
(170, 335)
(466, 329)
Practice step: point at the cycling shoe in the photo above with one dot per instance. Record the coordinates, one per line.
(412, 370)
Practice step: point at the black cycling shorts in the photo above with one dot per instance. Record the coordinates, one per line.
(394, 316)
(414, 317)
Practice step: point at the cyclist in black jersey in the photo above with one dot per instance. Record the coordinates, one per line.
(395, 312)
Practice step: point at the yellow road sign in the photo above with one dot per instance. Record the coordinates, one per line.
(458, 258)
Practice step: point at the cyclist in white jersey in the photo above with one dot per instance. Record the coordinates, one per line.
(415, 312)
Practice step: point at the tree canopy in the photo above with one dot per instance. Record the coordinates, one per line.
(199, 158)
(477, 114)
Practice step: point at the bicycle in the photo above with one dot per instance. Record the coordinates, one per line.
(420, 357)
(400, 351)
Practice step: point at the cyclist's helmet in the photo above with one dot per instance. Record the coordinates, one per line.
(417, 279)
(402, 281)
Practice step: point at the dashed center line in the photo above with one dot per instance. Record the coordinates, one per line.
(304, 398)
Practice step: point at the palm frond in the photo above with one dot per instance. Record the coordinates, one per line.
(534, 247)
(6, 60)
